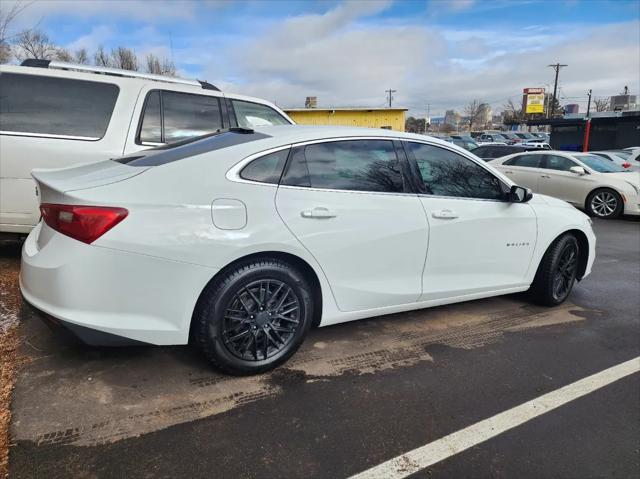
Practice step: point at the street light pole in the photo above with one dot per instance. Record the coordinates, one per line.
(557, 68)
(589, 104)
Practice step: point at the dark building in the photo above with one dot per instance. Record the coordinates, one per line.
(597, 133)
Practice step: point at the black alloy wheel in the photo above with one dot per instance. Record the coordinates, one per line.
(254, 316)
(261, 319)
(565, 273)
(557, 271)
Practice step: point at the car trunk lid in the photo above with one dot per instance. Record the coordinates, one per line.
(53, 184)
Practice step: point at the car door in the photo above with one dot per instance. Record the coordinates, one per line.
(349, 204)
(558, 181)
(523, 170)
(478, 241)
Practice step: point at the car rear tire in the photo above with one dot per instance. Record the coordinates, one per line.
(557, 271)
(254, 317)
(604, 203)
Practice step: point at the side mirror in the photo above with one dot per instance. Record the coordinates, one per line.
(518, 194)
(578, 170)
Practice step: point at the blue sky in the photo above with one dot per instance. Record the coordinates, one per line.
(442, 53)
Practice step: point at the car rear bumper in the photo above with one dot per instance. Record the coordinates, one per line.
(123, 295)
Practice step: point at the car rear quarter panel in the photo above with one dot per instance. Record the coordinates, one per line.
(170, 217)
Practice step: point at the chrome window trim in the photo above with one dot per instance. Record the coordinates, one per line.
(50, 135)
(361, 192)
(233, 174)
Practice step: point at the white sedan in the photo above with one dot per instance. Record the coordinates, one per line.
(244, 239)
(585, 180)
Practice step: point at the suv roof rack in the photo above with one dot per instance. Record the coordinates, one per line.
(33, 62)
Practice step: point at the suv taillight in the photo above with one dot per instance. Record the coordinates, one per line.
(83, 223)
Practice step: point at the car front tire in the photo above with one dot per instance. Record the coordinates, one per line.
(557, 271)
(254, 317)
(604, 203)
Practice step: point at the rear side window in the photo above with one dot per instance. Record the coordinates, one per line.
(250, 115)
(55, 106)
(446, 173)
(266, 169)
(170, 117)
(356, 165)
(528, 161)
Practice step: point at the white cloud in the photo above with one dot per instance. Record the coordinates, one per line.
(354, 64)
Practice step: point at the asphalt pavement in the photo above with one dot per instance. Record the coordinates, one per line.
(354, 396)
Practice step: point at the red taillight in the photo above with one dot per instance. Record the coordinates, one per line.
(626, 165)
(84, 223)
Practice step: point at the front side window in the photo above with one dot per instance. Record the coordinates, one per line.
(527, 161)
(55, 106)
(357, 165)
(554, 162)
(250, 115)
(266, 169)
(446, 173)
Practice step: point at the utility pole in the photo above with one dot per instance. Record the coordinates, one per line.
(557, 68)
(589, 104)
(390, 92)
(428, 118)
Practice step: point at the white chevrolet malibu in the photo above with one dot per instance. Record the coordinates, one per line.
(242, 240)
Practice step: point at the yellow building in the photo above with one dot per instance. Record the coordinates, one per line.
(389, 118)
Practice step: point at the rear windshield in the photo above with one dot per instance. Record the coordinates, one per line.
(40, 105)
(191, 147)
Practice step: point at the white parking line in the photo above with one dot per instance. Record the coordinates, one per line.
(436, 451)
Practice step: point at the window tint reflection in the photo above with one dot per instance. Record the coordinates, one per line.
(446, 173)
(359, 165)
(55, 106)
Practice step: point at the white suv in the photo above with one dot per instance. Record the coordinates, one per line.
(56, 114)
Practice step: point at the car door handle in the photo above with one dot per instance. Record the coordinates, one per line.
(318, 212)
(545, 176)
(509, 172)
(445, 214)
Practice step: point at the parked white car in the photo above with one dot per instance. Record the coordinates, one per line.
(243, 239)
(536, 143)
(55, 114)
(620, 159)
(587, 181)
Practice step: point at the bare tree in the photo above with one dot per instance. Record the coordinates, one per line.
(601, 104)
(160, 67)
(82, 56)
(7, 16)
(473, 111)
(64, 55)
(101, 58)
(124, 58)
(34, 44)
(512, 114)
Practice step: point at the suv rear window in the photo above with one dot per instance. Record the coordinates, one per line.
(43, 105)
